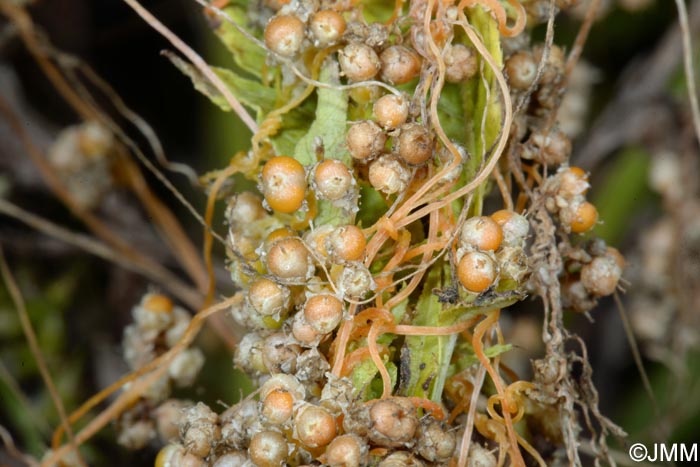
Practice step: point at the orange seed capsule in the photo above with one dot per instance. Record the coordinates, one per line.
(284, 184)
(346, 243)
(399, 64)
(391, 111)
(268, 449)
(158, 303)
(284, 35)
(476, 271)
(333, 179)
(359, 62)
(289, 259)
(521, 69)
(365, 139)
(278, 406)
(415, 144)
(586, 217)
(482, 233)
(323, 312)
(327, 26)
(573, 181)
(315, 426)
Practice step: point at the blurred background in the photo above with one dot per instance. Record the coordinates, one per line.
(627, 110)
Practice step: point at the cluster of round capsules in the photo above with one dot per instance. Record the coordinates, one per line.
(299, 279)
(566, 198)
(82, 158)
(158, 326)
(492, 247)
(290, 426)
(593, 271)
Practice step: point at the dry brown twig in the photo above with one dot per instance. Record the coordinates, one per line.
(198, 61)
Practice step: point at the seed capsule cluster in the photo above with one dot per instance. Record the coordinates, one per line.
(158, 326)
(489, 247)
(82, 158)
(567, 199)
(347, 237)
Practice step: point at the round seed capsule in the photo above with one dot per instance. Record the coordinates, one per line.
(327, 26)
(359, 62)
(521, 69)
(585, 218)
(393, 423)
(314, 426)
(278, 406)
(167, 418)
(283, 382)
(482, 233)
(476, 271)
(601, 276)
(289, 259)
(460, 63)
(617, 256)
(436, 442)
(154, 313)
(389, 175)
(231, 459)
(346, 243)
(275, 235)
(345, 451)
(514, 226)
(279, 354)
(555, 64)
(415, 144)
(323, 312)
(355, 280)
(403, 459)
(304, 332)
(573, 181)
(399, 64)
(267, 297)
(284, 35)
(365, 139)
(333, 179)
(284, 184)
(391, 111)
(554, 148)
(175, 455)
(244, 208)
(268, 449)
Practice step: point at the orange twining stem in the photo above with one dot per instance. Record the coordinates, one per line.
(499, 12)
(372, 314)
(377, 359)
(339, 345)
(434, 408)
(385, 224)
(386, 277)
(208, 237)
(358, 356)
(416, 279)
(477, 344)
(409, 330)
(423, 249)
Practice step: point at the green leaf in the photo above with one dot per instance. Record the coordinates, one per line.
(428, 357)
(329, 128)
(451, 112)
(249, 92)
(330, 122)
